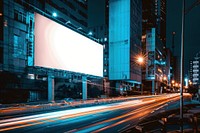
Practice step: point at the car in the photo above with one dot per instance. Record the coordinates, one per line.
(69, 100)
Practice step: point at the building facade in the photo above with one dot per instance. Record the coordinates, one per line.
(22, 80)
(98, 26)
(125, 30)
(156, 71)
(194, 70)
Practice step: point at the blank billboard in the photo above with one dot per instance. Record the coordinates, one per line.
(59, 47)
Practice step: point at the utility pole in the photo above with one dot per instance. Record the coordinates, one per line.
(182, 66)
(182, 57)
(173, 35)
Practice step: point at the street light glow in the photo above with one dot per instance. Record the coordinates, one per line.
(90, 33)
(140, 60)
(176, 84)
(54, 14)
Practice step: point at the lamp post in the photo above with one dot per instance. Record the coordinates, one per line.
(173, 35)
(182, 57)
(182, 66)
(140, 60)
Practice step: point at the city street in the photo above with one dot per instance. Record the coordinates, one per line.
(102, 118)
(109, 66)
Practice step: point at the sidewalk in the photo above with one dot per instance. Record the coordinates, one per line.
(169, 121)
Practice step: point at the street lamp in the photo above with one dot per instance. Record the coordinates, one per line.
(182, 57)
(54, 14)
(140, 60)
(176, 84)
(90, 33)
(190, 82)
(182, 66)
(165, 78)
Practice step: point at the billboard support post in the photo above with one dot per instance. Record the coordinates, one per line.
(84, 87)
(50, 87)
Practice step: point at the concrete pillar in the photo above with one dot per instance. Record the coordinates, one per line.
(142, 89)
(50, 88)
(84, 87)
(161, 89)
(156, 87)
(153, 87)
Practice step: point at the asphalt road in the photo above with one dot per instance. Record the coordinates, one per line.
(103, 118)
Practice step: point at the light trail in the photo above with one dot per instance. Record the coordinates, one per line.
(27, 121)
(131, 115)
(66, 113)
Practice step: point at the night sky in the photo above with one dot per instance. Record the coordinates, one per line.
(191, 32)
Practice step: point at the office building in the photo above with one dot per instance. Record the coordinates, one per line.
(194, 70)
(125, 30)
(156, 72)
(22, 80)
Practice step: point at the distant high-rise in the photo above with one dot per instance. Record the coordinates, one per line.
(177, 66)
(148, 15)
(154, 15)
(98, 26)
(195, 70)
(154, 44)
(161, 19)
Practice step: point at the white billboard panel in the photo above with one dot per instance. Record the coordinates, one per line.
(59, 47)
